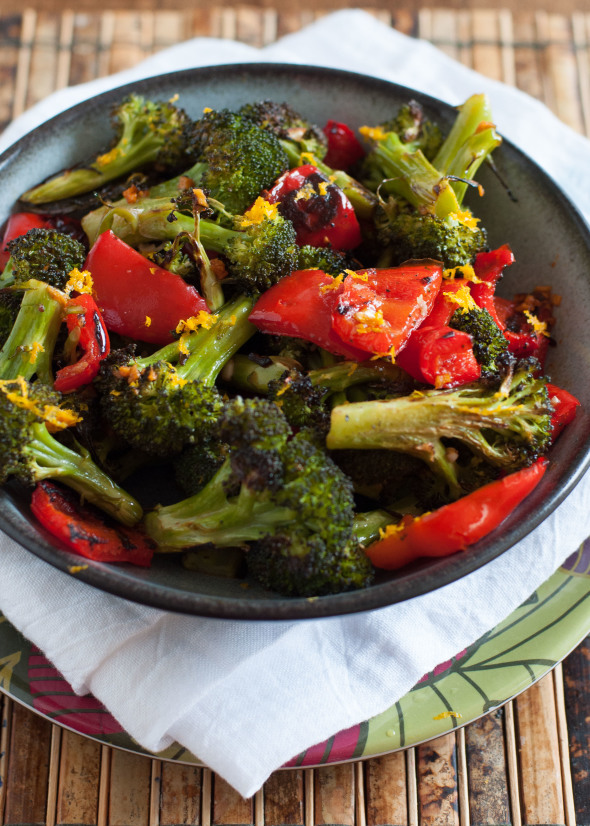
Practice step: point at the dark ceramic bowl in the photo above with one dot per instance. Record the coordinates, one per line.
(552, 246)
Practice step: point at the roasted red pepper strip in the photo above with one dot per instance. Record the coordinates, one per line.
(344, 148)
(488, 267)
(319, 210)
(302, 305)
(454, 527)
(87, 328)
(564, 408)
(137, 298)
(435, 353)
(378, 309)
(17, 225)
(83, 530)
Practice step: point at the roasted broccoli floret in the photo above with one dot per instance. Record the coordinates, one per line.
(29, 413)
(421, 213)
(296, 134)
(306, 397)
(259, 251)
(45, 255)
(415, 129)
(508, 425)
(283, 497)
(407, 233)
(490, 347)
(168, 400)
(237, 159)
(29, 346)
(147, 132)
(332, 262)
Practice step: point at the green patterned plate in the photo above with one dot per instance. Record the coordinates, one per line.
(500, 665)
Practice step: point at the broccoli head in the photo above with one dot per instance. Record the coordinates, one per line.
(331, 261)
(239, 158)
(45, 255)
(415, 129)
(146, 132)
(279, 492)
(296, 134)
(507, 425)
(10, 302)
(407, 233)
(490, 347)
(30, 453)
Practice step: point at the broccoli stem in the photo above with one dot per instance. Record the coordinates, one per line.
(28, 350)
(209, 349)
(212, 516)
(366, 526)
(171, 187)
(52, 460)
(7, 276)
(244, 374)
(469, 158)
(474, 111)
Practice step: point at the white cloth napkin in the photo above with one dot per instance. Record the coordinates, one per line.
(246, 697)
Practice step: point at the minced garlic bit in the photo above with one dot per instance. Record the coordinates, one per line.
(200, 197)
(148, 321)
(79, 282)
(539, 327)
(260, 211)
(444, 715)
(462, 298)
(174, 98)
(56, 418)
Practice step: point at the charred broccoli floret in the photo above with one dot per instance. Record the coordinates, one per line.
(237, 159)
(147, 132)
(167, 400)
(45, 255)
(281, 495)
(415, 129)
(330, 261)
(407, 233)
(259, 251)
(508, 425)
(28, 451)
(490, 347)
(421, 210)
(296, 134)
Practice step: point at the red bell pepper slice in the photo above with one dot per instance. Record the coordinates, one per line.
(379, 309)
(436, 353)
(88, 331)
(17, 225)
(344, 148)
(81, 529)
(564, 408)
(454, 527)
(302, 305)
(320, 212)
(137, 298)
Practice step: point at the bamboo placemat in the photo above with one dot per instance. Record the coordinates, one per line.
(526, 763)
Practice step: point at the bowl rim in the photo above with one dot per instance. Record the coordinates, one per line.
(120, 580)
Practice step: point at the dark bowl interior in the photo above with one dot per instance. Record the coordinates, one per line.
(552, 246)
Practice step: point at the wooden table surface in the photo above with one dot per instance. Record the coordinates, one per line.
(526, 763)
